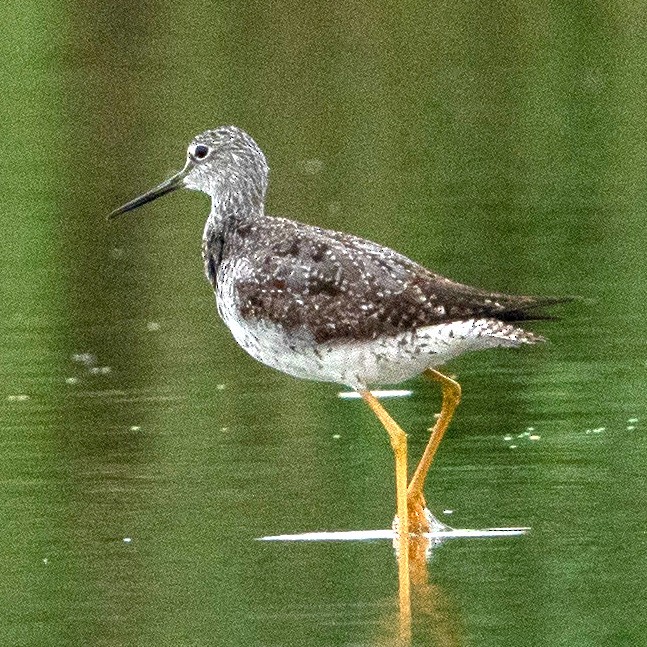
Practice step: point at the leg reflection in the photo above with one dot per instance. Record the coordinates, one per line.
(437, 621)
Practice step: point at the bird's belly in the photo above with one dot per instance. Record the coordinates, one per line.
(359, 363)
(355, 364)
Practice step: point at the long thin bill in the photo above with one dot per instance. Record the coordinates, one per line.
(173, 183)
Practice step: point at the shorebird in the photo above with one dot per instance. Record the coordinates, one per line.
(329, 306)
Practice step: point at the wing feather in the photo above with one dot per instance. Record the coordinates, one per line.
(339, 287)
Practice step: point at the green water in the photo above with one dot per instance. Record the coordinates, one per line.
(500, 144)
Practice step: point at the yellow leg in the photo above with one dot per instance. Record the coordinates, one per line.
(399, 443)
(451, 398)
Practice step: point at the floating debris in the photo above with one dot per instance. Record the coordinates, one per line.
(631, 427)
(20, 397)
(220, 387)
(513, 447)
(100, 370)
(372, 535)
(84, 358)
(135, 428)
(312, 166)
(336, 436)
(153, 326)
(632, 421)
(394, 393)
(90, 362)
(334, 208)
(71, 380)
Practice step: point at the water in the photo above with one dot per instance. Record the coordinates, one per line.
(501, 147)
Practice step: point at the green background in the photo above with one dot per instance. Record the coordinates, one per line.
(501, 144)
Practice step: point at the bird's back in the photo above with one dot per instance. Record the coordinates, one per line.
(340, 287)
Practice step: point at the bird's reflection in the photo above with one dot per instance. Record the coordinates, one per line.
(435, 615)
(413, 553)
(419, 597)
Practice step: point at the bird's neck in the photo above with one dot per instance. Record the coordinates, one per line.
(239, 197)
(228, 210)
(226, 213)
(212, 246)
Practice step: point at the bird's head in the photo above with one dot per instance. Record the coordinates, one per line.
(225, 163)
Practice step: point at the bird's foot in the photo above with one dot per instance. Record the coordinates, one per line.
(422, 525)
(421, 520)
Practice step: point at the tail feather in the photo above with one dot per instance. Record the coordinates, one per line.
(529, 309)
(511, 335)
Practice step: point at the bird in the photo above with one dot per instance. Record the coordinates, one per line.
(333, 307)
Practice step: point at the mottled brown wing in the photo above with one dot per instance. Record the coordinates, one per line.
(340, 287)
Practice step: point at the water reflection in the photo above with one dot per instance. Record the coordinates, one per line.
(500, 145)
(416, 531)
(437, 617)
(420, 602)
(423, 600)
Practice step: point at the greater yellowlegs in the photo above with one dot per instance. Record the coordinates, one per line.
(329, 306)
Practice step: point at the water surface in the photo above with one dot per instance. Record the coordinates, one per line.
(142, 452)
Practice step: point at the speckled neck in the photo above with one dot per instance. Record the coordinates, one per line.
(238, 186)
(245, 199)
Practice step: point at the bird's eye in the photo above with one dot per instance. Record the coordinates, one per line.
(200, 151)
